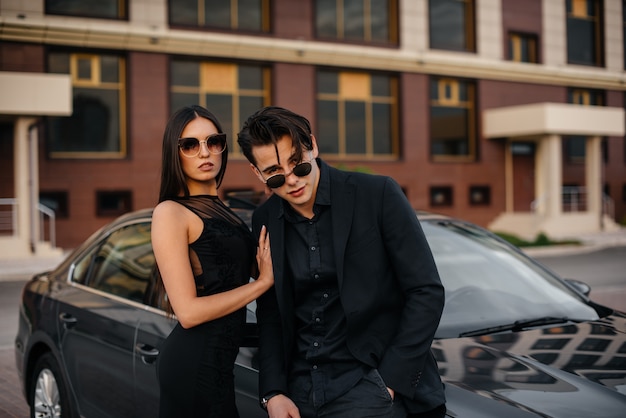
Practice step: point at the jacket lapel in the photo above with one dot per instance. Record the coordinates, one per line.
(342, 207)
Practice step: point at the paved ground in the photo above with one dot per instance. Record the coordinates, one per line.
(12, 403)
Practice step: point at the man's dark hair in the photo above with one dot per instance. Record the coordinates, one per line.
(268, 125)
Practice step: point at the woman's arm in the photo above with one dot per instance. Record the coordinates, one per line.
(170, 242)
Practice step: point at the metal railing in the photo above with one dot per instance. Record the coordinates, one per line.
(8, 216)
(574, 199)
(52, 235)
(9, 222)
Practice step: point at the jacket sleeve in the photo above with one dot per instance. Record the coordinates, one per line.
(414, 268)
(272, 356)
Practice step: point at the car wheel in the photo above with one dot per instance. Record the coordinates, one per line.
(48, 395)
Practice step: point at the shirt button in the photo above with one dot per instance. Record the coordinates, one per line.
(315, 367)
(325, 295)
(316, 344)
(312, 248)
(316, 276)
(317, 320)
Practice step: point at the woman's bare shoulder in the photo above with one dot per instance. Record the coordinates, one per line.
(168, 209)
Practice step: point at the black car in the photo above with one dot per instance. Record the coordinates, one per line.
(515, 340)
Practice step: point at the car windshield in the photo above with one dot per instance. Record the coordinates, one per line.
(489, 284)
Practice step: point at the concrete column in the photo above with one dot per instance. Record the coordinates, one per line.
(23, 183)
(593, 175)
(549, 176)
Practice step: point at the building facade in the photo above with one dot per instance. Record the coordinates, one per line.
(507, 113)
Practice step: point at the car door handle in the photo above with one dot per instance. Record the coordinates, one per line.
(148, 353)
(68, 320)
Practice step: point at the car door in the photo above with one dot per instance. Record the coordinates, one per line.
(98, 318)
(152, 329)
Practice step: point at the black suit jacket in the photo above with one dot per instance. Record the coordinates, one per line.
(389, 288)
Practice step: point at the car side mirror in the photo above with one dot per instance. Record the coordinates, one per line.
(579, 286)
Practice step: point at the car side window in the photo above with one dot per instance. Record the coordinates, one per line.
(122, 265)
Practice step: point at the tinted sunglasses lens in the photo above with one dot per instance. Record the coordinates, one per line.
(302, 169)
(216, 143)
(189, 146)
(276, 181)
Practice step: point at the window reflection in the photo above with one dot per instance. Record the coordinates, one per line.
(357, 20)
(451, 24)
(357, 114)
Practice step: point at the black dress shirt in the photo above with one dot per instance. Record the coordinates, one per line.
(323, 363)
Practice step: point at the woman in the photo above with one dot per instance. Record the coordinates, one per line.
(205, 256)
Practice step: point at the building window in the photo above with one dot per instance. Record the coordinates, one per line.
(441, 196)
(574, 145)
(585, 32)
(452, 119)
(374, 21)
(57, 201)
(113, 203)
(97, 127)
(107, 9)
(523, 48)
(231, 91)
(357, 114)
(246, 15)
(479, 195)
(451, 25)
(585, 97)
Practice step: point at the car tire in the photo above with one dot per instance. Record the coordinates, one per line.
(48, 394)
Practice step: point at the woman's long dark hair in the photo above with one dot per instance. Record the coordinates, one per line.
(173, 182)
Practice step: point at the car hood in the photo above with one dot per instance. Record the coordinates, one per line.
(573, 370)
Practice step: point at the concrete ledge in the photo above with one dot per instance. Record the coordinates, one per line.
(543, 119)
(35, 94)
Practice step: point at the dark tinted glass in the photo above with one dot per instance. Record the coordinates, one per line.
(355, 127)
(380, 21)
(382, 128)
(114, 9)
(183, 12)
(250, 17)
(217, 13)
(327, 82)
(581, 42)
(447, 24)
(327, 141)
(109, 69)
(449, 131)
(250, 77)
(123, 264)
(222, 106)
(326, 18)
(185, 73)
(353, 19)
(93, 127)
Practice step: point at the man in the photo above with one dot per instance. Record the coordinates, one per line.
(347, 329)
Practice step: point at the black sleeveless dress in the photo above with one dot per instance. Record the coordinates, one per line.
(195, 365)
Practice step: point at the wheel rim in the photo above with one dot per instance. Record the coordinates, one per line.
(46, 402)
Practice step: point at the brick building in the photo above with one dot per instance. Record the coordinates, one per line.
(506, 113)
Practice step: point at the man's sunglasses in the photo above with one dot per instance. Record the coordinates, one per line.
(190, 147)
(300, 170)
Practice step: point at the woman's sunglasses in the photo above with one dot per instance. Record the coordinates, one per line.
(300, 170)
(190, 147)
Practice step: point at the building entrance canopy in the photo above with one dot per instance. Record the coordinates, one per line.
(546, 124)
(26, 97)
